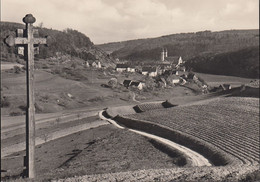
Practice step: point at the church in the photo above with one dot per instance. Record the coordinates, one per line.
(171, 61)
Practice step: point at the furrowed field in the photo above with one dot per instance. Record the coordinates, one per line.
(231, 124)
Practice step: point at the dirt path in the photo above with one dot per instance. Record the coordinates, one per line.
(196, 158)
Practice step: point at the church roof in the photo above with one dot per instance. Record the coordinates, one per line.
(172, 59)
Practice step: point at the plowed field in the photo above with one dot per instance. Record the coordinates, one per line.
(231, 124)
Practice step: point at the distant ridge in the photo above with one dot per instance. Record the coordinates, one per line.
(228, 52)
(185, 44)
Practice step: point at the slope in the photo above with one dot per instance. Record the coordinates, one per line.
(186, 45)
(243, 63)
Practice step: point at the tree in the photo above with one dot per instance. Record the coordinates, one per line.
(112, 82)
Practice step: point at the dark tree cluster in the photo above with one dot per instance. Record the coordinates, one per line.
(243, 63)
(68, 41)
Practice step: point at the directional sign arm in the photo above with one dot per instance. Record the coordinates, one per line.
(10, 40)
(21, 41)
(39, 41)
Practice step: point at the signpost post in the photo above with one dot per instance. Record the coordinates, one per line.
(28, 41)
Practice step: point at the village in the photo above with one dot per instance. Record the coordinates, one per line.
(168, 71)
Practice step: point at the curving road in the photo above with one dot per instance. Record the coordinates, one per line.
(194, 157)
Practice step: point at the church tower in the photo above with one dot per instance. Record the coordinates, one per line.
(166, 53)
(162, 55)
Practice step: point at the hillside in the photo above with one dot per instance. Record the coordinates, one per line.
(186, 45)
(68, 42)
(243, 63)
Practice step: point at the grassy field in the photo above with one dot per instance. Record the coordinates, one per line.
(231, 124)
(216, 80)
(105, 149)
(55, 93)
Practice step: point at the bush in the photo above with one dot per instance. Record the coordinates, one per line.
(16, 113)
(23, 107)
(112, 82)
(17, 69)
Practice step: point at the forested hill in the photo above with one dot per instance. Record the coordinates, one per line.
(67, 42)
(186, 45)
(242, 63)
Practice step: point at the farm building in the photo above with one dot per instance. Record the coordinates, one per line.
(121, 67)
(137, 84)
(221, 88)
(175, 79)
(227, 86)
(86, 63)
(130, 69)
(95, 64)
(126, 83)
(150, 71)
(134, 84)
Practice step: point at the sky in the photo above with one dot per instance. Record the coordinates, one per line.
(118, 20)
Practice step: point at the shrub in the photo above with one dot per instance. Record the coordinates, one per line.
(17, 69)
(112, 82)
(23, 107)
(16, 113)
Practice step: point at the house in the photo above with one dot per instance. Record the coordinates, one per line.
(150, 71)
(130, 69)
(175, 79)
(137, 84)
(99, 65)
(134, 84)
(163, 81)
(121, 67)
(227, 86)
(126, 83)
(176, 72)
(164, 67)
(86, 63)
(182, 81)
(94, 64)
(221, 87)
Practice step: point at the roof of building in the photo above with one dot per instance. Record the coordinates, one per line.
(135, 83)
(121, 66)
(172, 59)
(149, 69)
(126, 83)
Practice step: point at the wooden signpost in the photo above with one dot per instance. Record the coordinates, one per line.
(26, 38)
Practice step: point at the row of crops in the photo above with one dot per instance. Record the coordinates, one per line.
(231, 124)
(149, 106)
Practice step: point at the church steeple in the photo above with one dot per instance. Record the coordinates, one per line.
(162, 55)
